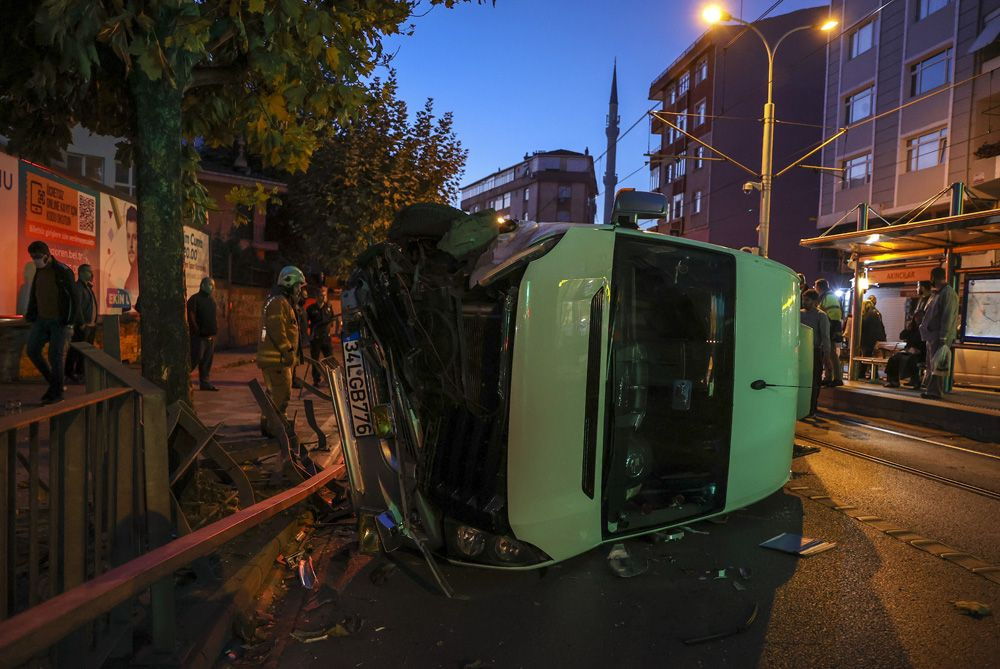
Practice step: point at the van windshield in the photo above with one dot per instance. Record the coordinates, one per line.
(670, 384)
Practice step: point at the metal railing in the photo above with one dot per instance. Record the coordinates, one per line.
(84, 487)
(110, 454)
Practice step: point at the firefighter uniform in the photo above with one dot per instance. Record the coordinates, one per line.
(278, 346)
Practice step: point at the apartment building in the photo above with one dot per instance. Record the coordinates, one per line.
(917, 85)
(546, 186)
(716, 91)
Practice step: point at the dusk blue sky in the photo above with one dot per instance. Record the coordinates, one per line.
(534, 75)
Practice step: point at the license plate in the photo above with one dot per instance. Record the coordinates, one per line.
(356, 380)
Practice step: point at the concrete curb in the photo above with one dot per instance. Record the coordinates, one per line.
(237, 597)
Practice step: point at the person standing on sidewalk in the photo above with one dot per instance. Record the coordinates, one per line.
(279, 341)
(86, 329)
(938, 329)
(52, 311)
(203, 326)
(321, 317)
(829, 304)
(820, 324)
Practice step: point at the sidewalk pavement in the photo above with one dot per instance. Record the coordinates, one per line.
(233, 405)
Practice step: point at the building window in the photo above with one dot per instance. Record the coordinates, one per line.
(506, 200)
(678, 208)
(565, 192)
(654, 178)
(670, 172)
(124, 178)
(696, 203)
(862, 39)
(859, 105)
(930, 73)
(699, 160)
(926, 150)
(857, 170)
(562, 216)
(701, 72)
(679, 168)
(683, 84)
(927, 7)
(527, 194)
(91, 167)
(699, 111)
(672, 95)
(682, 121)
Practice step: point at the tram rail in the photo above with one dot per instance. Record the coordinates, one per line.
(991, 494)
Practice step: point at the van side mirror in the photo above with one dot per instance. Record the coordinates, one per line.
(632, 205)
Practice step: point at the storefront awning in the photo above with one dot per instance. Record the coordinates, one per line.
(981, 228)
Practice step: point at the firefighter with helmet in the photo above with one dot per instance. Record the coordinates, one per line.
(279, 340)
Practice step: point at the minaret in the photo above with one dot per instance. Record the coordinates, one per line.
(610, 178)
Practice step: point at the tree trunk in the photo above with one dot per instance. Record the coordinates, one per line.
(165, 343)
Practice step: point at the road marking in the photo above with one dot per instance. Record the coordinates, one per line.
(969, 562)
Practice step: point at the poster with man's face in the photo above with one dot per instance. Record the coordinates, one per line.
(119, 255)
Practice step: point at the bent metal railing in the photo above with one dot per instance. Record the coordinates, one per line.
(84, 487)
(108, 454)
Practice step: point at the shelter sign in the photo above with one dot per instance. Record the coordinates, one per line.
(900, 275)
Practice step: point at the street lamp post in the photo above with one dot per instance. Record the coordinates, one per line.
(712, 15)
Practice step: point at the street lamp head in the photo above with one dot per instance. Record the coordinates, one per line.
(714, 14)
(829, 25)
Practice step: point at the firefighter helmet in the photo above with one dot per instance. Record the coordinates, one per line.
(290, 277)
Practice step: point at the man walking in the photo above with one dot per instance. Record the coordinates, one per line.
(829, 304)
(52, 311)
(938, 329)
(203, 326)
(321, 317)
(86, 329)
(820, 324)
(279, 340)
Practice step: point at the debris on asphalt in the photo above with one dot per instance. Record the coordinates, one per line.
(719, 520)
(744, 573)
(346, 627)
(687, 528)
(623, 564)
(314, 604)
(720, 575)
(798, 450)
(796, 544)
(382, 573)
(726, 633)
(739, 586)
(307, 573)
(665, 536)
(974, 609)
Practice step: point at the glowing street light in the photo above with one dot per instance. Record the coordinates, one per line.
(714, 14)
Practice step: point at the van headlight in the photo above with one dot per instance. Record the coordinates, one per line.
(469, 541)
(471, 544)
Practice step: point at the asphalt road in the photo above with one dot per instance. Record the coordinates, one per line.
(872, 601)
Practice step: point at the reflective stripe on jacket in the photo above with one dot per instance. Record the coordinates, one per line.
(279, 333)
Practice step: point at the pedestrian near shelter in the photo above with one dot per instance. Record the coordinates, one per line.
(888, 261)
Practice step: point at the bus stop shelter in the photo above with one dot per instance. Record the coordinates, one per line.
(966, 244)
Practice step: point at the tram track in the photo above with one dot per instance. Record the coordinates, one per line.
(991, 494)
(904, 435)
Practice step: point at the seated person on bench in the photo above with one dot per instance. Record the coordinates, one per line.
(906, 363)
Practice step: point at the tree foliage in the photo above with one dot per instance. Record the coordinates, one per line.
(160, 73)
(374, 165)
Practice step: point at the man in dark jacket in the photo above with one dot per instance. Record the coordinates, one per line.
(203, 327)
(321, 317)
(52, 312)
(86, 329)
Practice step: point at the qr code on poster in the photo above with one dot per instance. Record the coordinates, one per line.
(87, 218)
